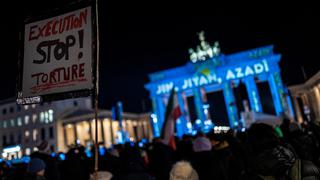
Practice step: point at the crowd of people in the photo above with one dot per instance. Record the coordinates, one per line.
(291, 151)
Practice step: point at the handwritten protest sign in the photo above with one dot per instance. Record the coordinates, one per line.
(58, 55)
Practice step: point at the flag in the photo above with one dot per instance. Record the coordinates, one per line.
(173, 112)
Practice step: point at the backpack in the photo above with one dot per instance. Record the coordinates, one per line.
(293, 174)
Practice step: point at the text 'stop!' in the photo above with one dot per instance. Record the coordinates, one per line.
(58, 55)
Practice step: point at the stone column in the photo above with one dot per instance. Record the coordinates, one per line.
(205, 100)
(276, 93)
(312, 104)
(75, 131)
(160, 111)
(317, 94)
(253, 94)
(182, 123)
(199, 106)
(155, 122)
(230, 104)
(111, 131)
(102, 131)
(65, 136)
(90, 131)
(297, 109)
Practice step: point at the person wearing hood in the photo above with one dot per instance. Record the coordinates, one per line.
(270, 160)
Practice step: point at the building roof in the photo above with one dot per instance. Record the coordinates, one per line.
(78, 112)
(313, 81)
(7, 101)
(74, 115)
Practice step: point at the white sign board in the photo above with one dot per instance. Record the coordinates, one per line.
(58, 54)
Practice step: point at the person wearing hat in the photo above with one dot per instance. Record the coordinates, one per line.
(52, 168)
(183, 170)
(203, 159)
(36, 169)
(102, 175)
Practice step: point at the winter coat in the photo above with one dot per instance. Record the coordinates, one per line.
(280, 163)
(161, 160)
(230, 167)
(205, 165)
(33, 177)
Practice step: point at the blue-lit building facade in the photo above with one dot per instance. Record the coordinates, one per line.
(210, 71)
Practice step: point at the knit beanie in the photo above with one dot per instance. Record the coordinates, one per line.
(183, 170)
(36, 165)
(202, 144)
(102, 175)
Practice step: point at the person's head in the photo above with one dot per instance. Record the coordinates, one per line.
(44, 147)
(36, 167)
(293, 127)
(202, 144)
(183, 170)
(114, 152)
(262, 136)
(286, 121)
(214, 138)
(102, 175)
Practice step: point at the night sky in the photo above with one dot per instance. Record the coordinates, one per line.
(140, 39)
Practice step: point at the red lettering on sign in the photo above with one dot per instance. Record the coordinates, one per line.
(59, 77)
(64, 24)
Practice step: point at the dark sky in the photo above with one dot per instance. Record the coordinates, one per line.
(140, 39)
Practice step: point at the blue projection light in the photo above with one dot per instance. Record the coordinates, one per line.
(102, 151)
(88, 153)
(215, 73)
(62, 156)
